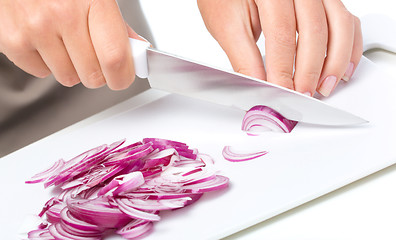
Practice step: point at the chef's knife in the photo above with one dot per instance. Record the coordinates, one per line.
(182, 76)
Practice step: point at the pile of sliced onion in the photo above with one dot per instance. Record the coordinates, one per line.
(262, 118)
(123, 190)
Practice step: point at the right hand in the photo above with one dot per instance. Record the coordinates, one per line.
(75, 40)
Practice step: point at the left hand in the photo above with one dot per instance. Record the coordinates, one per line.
(328, 48)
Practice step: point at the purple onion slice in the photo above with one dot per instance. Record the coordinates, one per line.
(262, 118)
(230, 155)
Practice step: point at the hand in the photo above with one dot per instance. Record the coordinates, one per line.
(76, 40)
(328, 48)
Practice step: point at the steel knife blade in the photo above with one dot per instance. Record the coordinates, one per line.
(179, 75)
(182, 76)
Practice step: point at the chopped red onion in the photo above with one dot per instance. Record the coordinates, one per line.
(135, 229)
(54, 169)
(53, 212)
(259, 119)
(232, 156)
(127, 207)
(262, 118)
(109, 188)
(40, 234)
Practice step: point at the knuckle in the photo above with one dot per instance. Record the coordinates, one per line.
(346, 17)
(114, 58)
(68, 81)
(16, 43)
(37, 24)
(68, 18)
(121, 85)
(311, 77)
(42, 73)
(58, 7)
(358, 42)
(284, 75)
(319, 29)
(62, 9)
(243, 70)
(357, 21)
(318, 33)
(253, 71)
(285, 41)
(95, 79)
(359, 50)
(284, 35)
(282, 78)
(61, 12)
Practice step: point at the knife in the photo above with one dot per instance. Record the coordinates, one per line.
(175, 74)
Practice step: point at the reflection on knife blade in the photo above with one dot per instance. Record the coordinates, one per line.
(185, 77)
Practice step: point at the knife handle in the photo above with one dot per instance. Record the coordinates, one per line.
(139, 54)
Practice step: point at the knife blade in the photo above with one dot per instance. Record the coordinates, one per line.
(175, 74)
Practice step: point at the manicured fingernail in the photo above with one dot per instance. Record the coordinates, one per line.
(327, 85)
(349, 71)
(308, 94)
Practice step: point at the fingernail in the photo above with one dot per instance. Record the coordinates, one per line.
(327, 85)
(348, 73)
(308, 94)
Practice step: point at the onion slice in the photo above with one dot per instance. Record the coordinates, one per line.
(54, 169)
(259, 119)
(40, 234)
(232, 156)
(135, 229)
(262, 118)
(127, 207)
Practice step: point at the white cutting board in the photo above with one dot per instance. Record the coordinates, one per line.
(301, 166)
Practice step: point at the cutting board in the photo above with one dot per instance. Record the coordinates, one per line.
(301, 166)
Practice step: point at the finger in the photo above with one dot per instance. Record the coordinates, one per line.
(279, 28)
(110, 40)
(311, 45)
(339, 51)
(20, 51)
(357, 50)
(55, 56)
(244, 55)
(30, 62)
(82, 53)
(237, 33)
